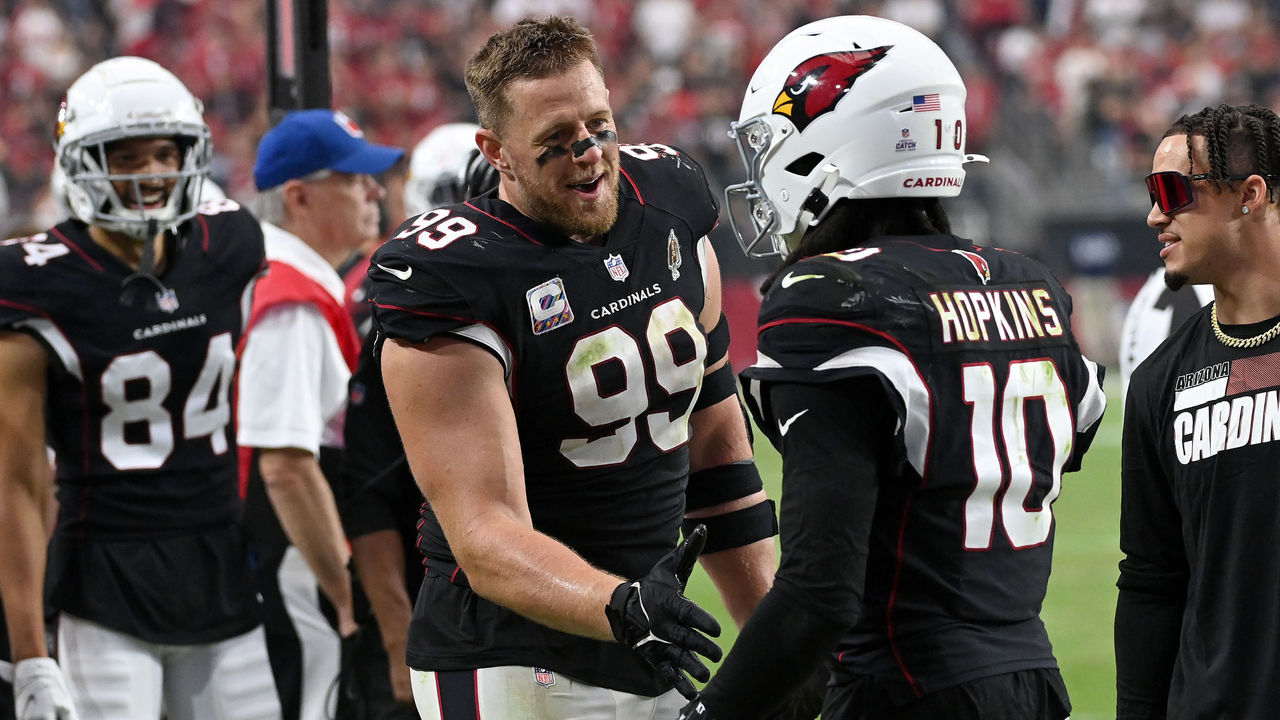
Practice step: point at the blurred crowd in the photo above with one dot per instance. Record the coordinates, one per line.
(1068, 97)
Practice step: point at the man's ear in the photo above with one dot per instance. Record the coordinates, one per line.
(1255, 192)
(294, 193)
(491, 147)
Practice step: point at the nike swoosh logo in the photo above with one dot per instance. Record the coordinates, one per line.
(402, 274)
(791, 279)
(783, 427)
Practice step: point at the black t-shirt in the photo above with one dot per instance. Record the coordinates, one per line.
(377, 490)
(149, 535)
(1200, 581)
(992, 401)
(604, 356)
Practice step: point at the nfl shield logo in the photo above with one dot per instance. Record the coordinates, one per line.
(544, 677)
(617, 269)
(167, 300)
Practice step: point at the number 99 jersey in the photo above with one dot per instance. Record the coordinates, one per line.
(139, 416)
(603, 354)
(993, 402)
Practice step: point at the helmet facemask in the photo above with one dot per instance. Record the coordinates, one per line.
(126, 98)
(93, 196)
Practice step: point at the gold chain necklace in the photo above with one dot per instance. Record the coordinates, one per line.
(1229, 341)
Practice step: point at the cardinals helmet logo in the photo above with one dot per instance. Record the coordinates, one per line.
(817, 84)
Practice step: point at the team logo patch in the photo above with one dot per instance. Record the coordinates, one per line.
(616, 267)
(674, 261)
(815, 86)
(544, 677)
(549, 306)
(345, 122)
(979, 263)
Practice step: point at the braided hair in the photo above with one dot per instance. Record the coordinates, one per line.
(851, 223)
(1241, 140)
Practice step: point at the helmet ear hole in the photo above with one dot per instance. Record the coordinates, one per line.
(804, 164)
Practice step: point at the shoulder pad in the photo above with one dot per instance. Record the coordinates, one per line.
(229, 235)
(668, 178)
(821, 287)
(22, 264)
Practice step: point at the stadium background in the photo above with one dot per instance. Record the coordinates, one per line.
(1068, 98)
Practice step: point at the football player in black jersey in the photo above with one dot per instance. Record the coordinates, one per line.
(118, 330)
(926, 395)
(556, 362)
(1197, 620)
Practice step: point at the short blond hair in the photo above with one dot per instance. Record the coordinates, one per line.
(532, 49)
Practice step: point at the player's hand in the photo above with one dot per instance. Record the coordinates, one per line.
(39, 692)
(351, 698)
(653, 616)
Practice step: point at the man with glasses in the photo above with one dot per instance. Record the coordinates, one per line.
(1197, 619)
(318, 202)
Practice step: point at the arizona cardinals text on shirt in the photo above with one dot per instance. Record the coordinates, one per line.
(626, 301)
(996, 315)
(1226, 406)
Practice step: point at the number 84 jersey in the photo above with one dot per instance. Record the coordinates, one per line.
(601, 345)
(139, 394)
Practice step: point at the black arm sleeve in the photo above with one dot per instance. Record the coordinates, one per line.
(1153, 574)
(834, 449)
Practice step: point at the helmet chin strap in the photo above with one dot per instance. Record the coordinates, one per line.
(816, 205)
(146, 272)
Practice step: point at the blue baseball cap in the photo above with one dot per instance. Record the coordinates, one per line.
(309, 140)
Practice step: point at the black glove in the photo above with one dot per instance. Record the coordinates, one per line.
(351, 704)
(652, 616)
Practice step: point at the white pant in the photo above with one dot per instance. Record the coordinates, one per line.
(521, 693)
(320, 644)
(114, 676)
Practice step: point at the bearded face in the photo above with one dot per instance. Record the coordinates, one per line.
(547, 179)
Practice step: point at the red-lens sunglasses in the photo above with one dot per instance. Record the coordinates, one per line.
(1171, 190)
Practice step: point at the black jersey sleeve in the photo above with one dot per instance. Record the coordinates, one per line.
(411, 301)
(1154, 572)
(19, 290)
(230, 236)
(834, 449)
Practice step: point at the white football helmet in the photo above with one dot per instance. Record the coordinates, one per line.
(438, 167)
(128, 97)
(847, 107)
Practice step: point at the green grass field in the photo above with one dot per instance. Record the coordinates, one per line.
(1082, 592)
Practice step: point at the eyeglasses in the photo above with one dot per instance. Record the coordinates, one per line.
(1171, 190)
